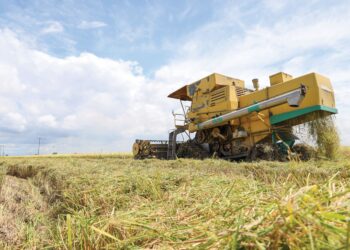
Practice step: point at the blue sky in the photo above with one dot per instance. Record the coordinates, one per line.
(148, 32)
(90, 76)
(143, 31)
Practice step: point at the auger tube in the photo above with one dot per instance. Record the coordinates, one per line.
(293, 98)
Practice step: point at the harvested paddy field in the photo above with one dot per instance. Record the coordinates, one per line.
(115, 202)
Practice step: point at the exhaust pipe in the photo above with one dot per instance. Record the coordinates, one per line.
(293, 98)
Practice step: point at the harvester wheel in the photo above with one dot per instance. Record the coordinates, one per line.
(200, 136)
(135, 148)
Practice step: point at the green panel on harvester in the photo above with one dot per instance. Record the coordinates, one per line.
(293, 114)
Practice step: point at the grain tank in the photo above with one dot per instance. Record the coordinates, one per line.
(227, 120)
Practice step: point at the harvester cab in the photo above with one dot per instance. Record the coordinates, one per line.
(233, 122)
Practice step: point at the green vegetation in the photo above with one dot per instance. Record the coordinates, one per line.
(113, 201)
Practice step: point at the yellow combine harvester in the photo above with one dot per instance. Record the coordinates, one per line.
(233, 122)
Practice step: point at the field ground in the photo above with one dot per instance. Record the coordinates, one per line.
(115, 202)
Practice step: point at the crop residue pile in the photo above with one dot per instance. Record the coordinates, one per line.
(325, 133)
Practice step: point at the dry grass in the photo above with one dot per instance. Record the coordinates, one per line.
(104, 202)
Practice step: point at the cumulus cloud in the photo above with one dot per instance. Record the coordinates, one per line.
(13, 122)
(91, 25)
(48, 121)
(77, 103)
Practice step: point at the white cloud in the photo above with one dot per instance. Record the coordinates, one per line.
(274, 5)
(48, 120)
(13, 122)
(10, 82)
(77, 103)
(91, 25)
(53, 27)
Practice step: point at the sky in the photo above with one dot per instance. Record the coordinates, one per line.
(92, 76)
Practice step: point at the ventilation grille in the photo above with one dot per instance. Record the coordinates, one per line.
(217, 97)
(242, 91)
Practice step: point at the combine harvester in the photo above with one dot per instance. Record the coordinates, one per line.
(232, 122)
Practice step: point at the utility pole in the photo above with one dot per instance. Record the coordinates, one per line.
(39, 145)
